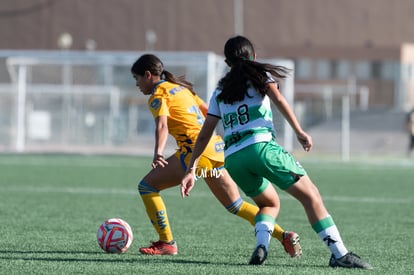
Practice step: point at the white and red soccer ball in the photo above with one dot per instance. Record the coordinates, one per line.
(114, 236)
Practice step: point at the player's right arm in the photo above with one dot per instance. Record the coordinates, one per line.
(202, 140)
(161, 136)
(158, 106)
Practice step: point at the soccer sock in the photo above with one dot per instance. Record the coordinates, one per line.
(329, 234)
(156, 211)
(263, 229)
(248, 212)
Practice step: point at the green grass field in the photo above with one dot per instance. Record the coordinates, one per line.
(51, 207)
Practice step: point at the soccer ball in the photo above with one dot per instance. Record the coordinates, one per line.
(114, 236)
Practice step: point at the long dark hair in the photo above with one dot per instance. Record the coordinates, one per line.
(151, 63)
(240, 55)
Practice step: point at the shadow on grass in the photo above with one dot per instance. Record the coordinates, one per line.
(49, 252)
(23, 255)
(117, 258)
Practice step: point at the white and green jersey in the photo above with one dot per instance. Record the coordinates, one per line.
(245, 122)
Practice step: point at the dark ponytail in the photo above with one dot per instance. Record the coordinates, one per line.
(151, 63)
(239, 53)
(178, 80)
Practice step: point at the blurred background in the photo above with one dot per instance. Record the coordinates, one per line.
(66, 86)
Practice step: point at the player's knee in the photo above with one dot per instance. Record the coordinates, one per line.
(145, 189)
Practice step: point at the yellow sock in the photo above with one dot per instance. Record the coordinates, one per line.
(248, 212)
(157, 213)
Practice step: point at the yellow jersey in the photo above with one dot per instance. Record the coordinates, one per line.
(185, 118)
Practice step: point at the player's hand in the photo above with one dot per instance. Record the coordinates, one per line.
(158, 160)
(187, 184)
(305, 140)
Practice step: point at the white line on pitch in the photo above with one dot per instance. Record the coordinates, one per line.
(175, 192)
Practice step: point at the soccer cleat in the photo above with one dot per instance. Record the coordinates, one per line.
(291, 244)
(259, 255)
(350, 260)
(160, 248)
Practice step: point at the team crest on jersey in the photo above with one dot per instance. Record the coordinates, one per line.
(155, 104)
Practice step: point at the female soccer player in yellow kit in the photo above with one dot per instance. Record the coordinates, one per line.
(178, 111)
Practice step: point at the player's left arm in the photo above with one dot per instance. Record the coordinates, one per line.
(284, 108)
(201, 105)
(203, 108)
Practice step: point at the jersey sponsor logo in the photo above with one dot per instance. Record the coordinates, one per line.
(176, 89)
(161, 220)
(219, 146)
(236, 137)
(155, 104)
